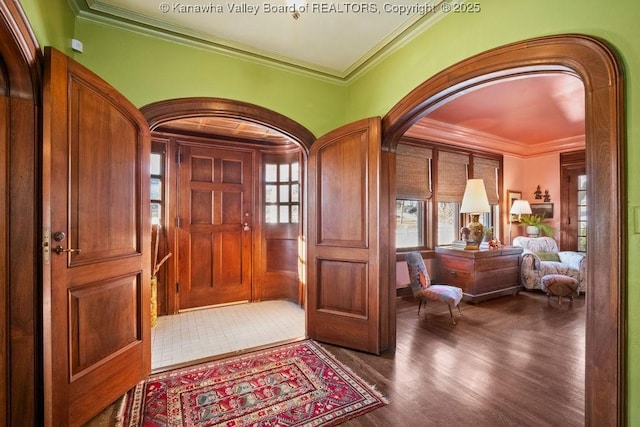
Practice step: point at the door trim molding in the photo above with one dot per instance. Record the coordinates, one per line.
(597, 65)
(161, 112)
(21, 396)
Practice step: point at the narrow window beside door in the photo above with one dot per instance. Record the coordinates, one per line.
(582, 213)
(156, 188)
(282, 193)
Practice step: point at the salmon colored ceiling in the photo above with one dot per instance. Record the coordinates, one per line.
(523, 116)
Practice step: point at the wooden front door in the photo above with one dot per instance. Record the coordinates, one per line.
(345, 285)
(215, 226)
(96, 243)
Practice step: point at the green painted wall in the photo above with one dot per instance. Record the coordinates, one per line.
(147, 69)
(52, 22)
(501, 22)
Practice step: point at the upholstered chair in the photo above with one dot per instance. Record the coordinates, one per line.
(424, 290)
(541, 257)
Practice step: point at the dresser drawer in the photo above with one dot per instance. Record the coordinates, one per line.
(481, 274)
(455, 271)
(460, 278)
(454, 263)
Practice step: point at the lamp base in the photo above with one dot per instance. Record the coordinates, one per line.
(476, 229)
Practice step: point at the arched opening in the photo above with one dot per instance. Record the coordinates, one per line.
(598, 68)
(252, 162)
(20, 275)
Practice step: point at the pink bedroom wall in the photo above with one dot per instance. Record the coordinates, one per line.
(513, 180)
(524, 175)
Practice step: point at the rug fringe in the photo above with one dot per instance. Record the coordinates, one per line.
(348, 369)
(120, 415)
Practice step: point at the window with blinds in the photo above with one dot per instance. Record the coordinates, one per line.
(425, 173)
(414, 172)
(413, 189)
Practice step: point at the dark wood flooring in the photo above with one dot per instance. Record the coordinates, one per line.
(512, 361)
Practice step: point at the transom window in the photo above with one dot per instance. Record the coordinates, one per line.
(282, 193)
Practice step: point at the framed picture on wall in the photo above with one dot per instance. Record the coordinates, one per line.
(543, 209)
(511, 196)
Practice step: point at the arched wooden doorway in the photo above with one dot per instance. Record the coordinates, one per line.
(174, 109)
(271, 137)
(599, 69)
(20, 80)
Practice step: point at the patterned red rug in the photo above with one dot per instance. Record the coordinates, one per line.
(292, 385)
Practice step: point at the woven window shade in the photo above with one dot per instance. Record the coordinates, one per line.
(452, 176)
(413, 178)
(487, 169)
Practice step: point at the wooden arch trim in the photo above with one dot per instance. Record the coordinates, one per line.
(596, 64)
(21, 76)
(21, 364)
(180, 108)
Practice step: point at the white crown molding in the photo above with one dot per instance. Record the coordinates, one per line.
(97, 11)
(117, 18)
(385, 49)
(437, 131)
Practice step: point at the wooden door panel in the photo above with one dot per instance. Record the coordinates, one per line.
(101, 175)
(342, 187)
(230, 208)
(334, 297)
(230, 247)
(344, 276)
(214, 246)
(91, 314)
(96, 200)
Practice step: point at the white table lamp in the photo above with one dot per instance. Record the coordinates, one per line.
(474, 203)
(519, 208)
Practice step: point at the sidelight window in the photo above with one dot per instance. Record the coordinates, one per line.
(157, 184)
(282, 193)
(582, 213)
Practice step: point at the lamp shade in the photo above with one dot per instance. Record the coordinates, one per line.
(475, 199)
(520, 207)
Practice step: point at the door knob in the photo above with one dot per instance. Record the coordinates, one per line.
(245, 226)
(59, 249)
(59, 236)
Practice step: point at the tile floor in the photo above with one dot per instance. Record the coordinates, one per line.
(200, 334)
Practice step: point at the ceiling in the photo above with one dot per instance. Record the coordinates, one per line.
(226, 128)
(327, 38)
(525, 116)
(522, 117)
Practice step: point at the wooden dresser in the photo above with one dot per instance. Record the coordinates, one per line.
(482, 274)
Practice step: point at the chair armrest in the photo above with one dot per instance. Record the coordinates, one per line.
(530, 260)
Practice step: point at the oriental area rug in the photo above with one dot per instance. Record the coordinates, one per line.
(298, 384)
